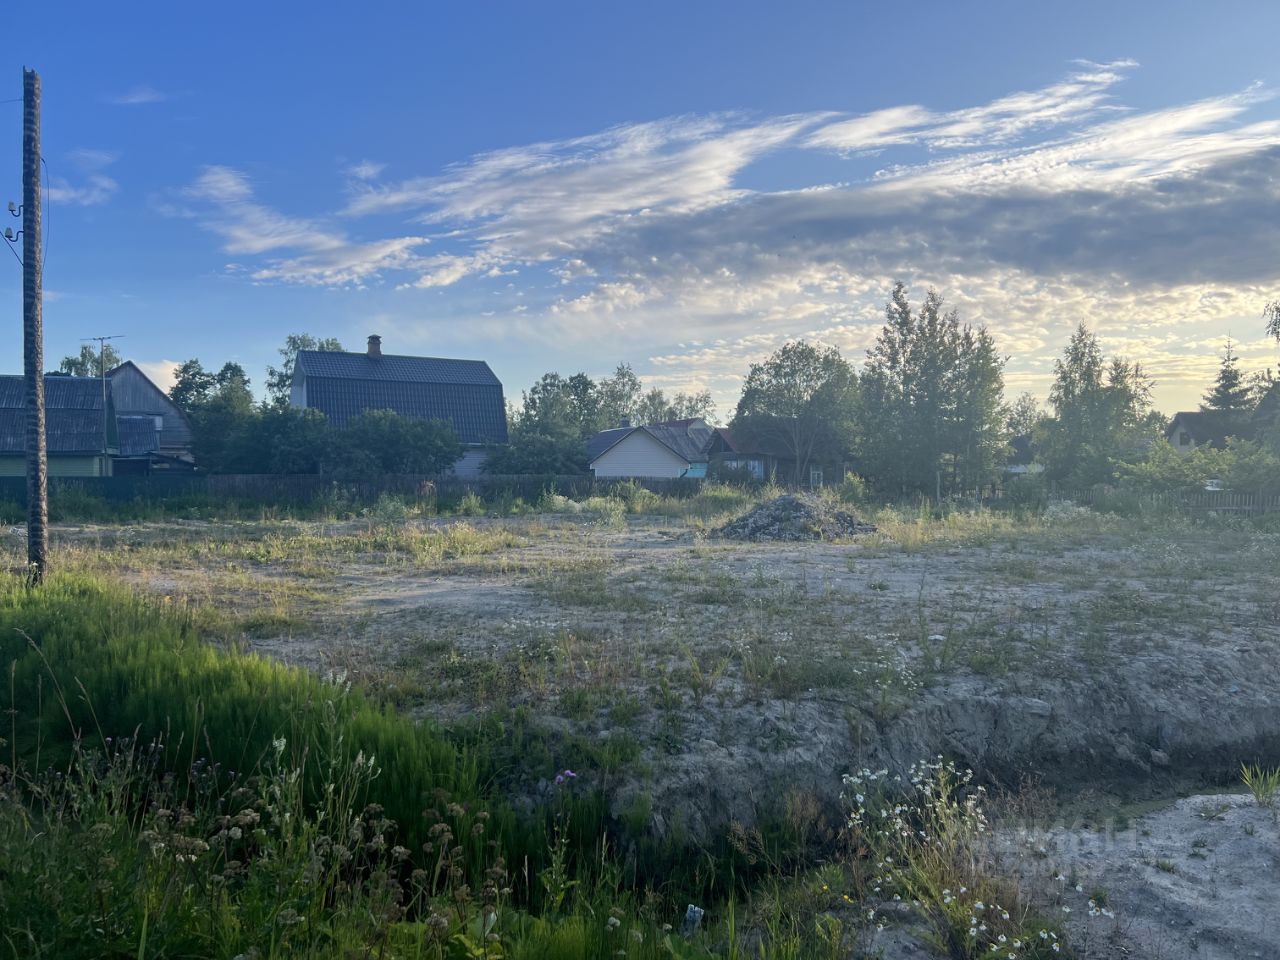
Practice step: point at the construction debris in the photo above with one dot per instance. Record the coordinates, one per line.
(796, 517)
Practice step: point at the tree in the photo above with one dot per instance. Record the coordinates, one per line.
(801, 400)
(549, 434)
(192, 385)
(654, 407)
(280, 380)
(90, 362)
(381, 442)
(1024, 415)
(618, 397)
(932, 413)
(1102, 415)
(693, 406)
(1232, 395)
(1271, 315)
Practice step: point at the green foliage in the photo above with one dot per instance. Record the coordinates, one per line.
(1241, 466)
(801, 400)
(1102, 415)
(91, 362)
(548, 435)
(108, 663)
(1024, 415)
(1262, 783)
(381, 442)
(1232, 395)
(280, 380)
(932, 413)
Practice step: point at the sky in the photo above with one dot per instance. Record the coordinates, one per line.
(684, 186)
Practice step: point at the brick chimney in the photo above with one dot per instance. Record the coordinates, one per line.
(375, 345)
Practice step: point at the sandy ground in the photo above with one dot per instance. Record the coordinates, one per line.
(1123, 661)
(706, 681)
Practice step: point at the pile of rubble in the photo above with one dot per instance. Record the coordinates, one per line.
(796, 517)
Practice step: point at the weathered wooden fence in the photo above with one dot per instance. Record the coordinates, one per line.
(269, 488)
(1198, 502)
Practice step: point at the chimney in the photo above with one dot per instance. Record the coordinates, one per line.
(624, 423)
(375, 345)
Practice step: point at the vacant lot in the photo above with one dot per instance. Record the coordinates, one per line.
(1114, 660)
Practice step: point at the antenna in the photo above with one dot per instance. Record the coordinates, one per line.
(102, 373)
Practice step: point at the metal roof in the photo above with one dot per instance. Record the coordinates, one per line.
(361, 366)
(463, 393)
(687, 439)
(73, 414)
(138, 436)
(605, 439)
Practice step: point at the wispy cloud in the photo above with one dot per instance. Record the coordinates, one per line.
(1080, 96)
(92, 185)
(1032, 211)
(366, 170)
(141, 94)
(303, 250)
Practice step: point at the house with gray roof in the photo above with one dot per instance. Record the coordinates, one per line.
(154, 435)
(463, 393)
(79, 440)
(676, 448)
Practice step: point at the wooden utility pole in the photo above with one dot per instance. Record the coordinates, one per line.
(33, 333)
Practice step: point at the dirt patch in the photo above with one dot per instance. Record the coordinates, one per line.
(795, 517)
(1197, 880)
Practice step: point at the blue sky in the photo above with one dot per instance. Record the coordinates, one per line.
(683, 186)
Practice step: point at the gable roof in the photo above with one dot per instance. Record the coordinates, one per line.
(361, 366)
(72, 414)
(464, 393)
(1202, 426)
(731, 443)
(605, 439)
(687, 439)
(134, 394)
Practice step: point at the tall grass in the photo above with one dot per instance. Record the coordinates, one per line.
(88, 660)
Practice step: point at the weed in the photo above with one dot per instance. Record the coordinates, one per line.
(1263, 784)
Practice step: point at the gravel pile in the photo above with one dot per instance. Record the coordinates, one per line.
(796, 517)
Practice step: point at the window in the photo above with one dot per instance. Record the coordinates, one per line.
(1184, 439)
(815, 476)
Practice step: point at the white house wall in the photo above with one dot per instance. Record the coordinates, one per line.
(639, 455)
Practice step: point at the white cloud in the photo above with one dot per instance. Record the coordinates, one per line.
(97, 188)
(92, 187)
(306, 251)
(163, 373)
(1080, 96)
(141, 94)
(1030, 212)
(366, 170)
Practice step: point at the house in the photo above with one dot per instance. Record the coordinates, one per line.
(1022, 458)
(1190, 429)
(463, 393)
(676, 448)
(154, 434)
(729, 455)
(80, 441)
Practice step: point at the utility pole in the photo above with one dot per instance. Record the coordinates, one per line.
(33, 334)
(102, 372)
